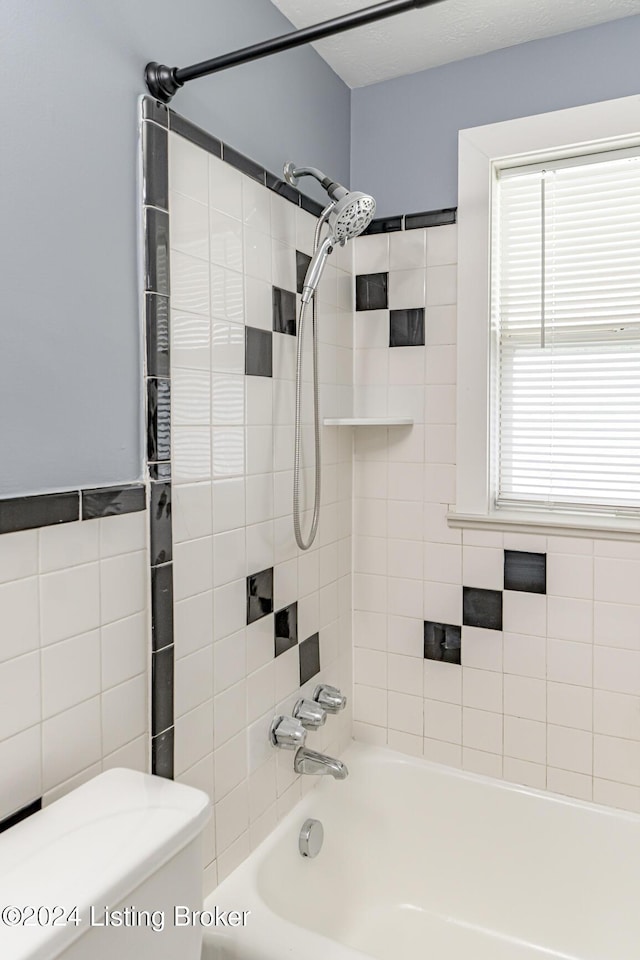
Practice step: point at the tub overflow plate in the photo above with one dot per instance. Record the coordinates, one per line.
(311, 838)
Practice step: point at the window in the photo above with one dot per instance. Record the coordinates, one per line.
(548, 426)
(566, 319)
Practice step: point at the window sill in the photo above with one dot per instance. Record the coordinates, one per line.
(559, 525)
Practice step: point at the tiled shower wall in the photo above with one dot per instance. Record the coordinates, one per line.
(73, 656)
(510, 655)
(257, 622)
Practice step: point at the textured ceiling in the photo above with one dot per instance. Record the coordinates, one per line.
(451, 30)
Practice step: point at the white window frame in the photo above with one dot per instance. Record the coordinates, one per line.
(576, 130)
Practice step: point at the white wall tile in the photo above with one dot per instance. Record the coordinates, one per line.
(616, 759)
(406, 289)
(71, 672)
(225, 188)
(482, 730)
(442, 721)
(569, 662)
(437, 751)
(570, 619)
(525, 656)
(20, 754)
(71, 742)
(124, 649)
(405, 713)
(525, 697)
(569, 749)
(68, 545)
(188, 169)
(124, 713)
(570, 706)
(482, 648)
(70, 602)
(19, 617)
(525, 739)
(193, 680)
(616, 670)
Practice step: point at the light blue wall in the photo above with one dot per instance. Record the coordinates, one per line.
(405, 131)
(70, 74)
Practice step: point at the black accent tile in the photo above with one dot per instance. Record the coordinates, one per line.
(284, 311)
(430, 218)
(482, 608)
(160, 471)
(244, 164)
(156, 310)
(195, 134)
(158, 419)
(406, 328)
(156, 253)
(285, 633)
(372, 291)
(311, 206)
(154, 110)
(162, 690)
(21, 814)
(160, 523)
(384, 225)
(162, 606)
(25, 513)
(259, 594)
(258, 354)
(302, 265)
(155, 166)
(309, 652)
(162, 751)
(282, 188)
(442, 641)
(113, 501)
(525, 571)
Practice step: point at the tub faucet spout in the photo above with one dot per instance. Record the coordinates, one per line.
(308, 761)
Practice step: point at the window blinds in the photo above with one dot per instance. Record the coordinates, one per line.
(566, 314)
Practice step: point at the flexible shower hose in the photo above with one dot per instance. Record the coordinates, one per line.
(297, 525)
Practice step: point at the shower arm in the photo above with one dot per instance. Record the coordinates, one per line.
(163, 81)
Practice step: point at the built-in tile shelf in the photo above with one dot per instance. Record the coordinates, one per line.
(368, 421)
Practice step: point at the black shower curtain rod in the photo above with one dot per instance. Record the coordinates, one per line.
(163, 82)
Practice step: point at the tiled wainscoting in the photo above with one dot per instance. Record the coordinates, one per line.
(74, 651)
(515, 656)
(257, 622)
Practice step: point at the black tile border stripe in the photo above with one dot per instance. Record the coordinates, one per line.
(21, 814)
(412, 221)
(113, 501)
(69, 506)
(194, 133)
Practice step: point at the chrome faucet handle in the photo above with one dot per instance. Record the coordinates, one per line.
(329, 698)
(287, 732)
(310, 714)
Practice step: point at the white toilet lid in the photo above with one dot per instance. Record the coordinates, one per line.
(93, 846)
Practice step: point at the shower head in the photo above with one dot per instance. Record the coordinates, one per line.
(351, 216)
(352, 211)
(348, 215)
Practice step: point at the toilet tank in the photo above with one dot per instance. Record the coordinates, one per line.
(99, 873)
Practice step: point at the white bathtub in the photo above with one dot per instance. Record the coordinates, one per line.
(421, 862)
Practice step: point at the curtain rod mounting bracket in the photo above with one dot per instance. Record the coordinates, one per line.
(161, 81)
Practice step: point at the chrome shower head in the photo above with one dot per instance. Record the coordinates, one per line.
(351, 216)
(352, 211)
(347, 216)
